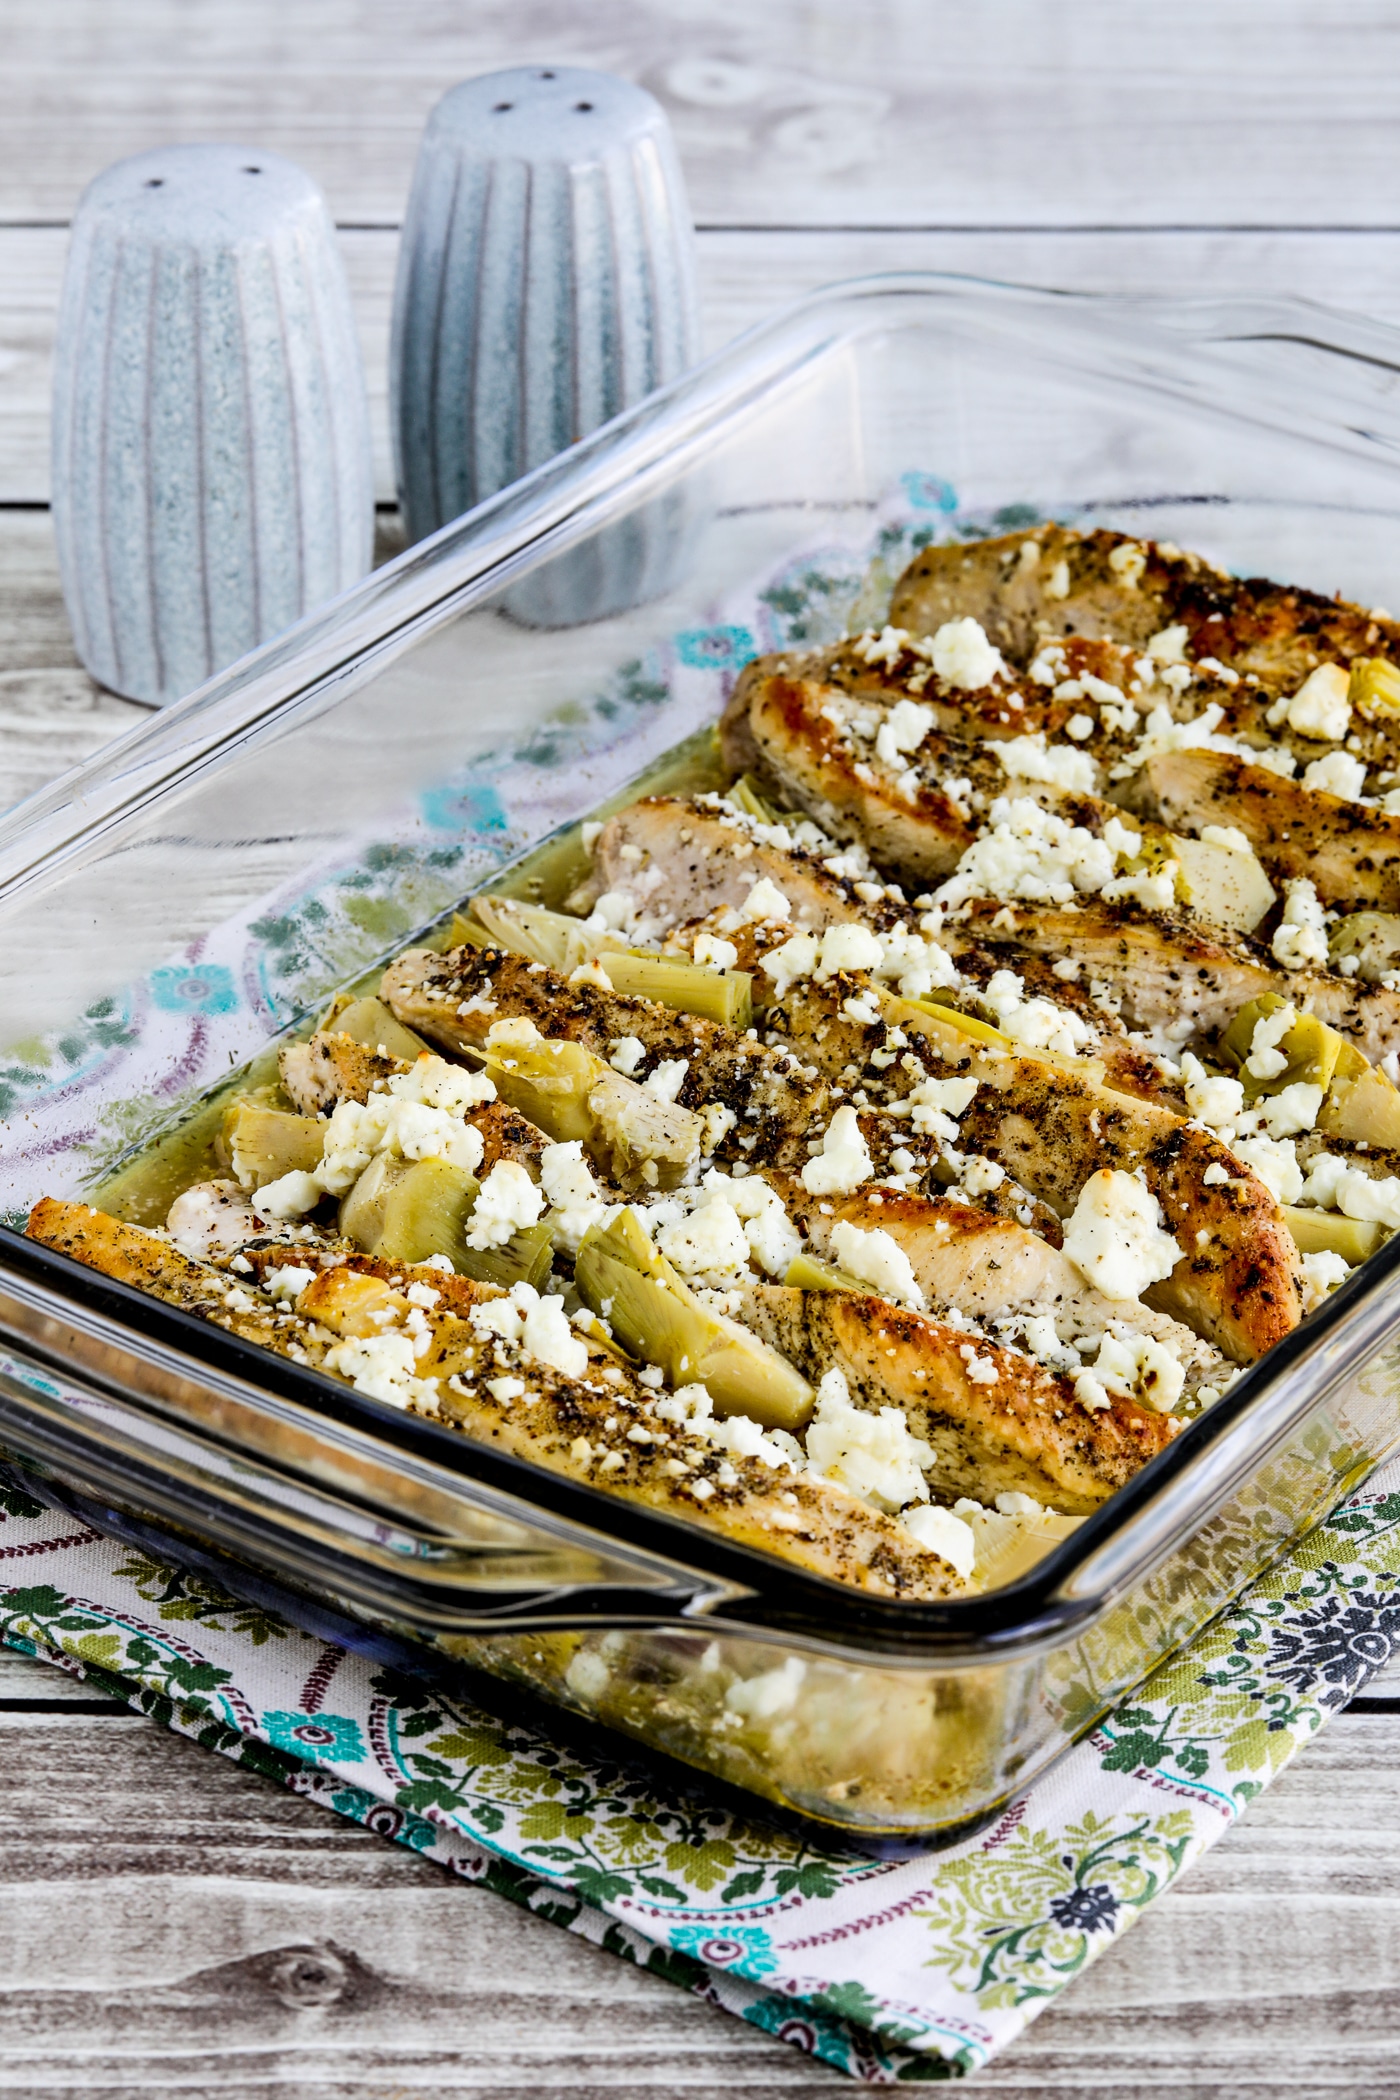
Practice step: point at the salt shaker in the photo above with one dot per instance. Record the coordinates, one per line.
(211, 457)
(546, 281)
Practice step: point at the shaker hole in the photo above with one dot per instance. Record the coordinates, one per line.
(546, 76)
(497, 107)
(155, 182)
(583, 105)
(252, 171)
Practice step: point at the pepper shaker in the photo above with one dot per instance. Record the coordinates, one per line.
(546, 281)
(211, 457)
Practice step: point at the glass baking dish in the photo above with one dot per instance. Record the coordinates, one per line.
(172, 907)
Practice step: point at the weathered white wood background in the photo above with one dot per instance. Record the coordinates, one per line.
(171, 1925)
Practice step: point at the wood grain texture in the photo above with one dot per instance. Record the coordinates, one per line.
(250, 1943)
(798, 112)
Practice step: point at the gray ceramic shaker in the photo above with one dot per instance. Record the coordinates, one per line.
(211, 459)
(547, 280)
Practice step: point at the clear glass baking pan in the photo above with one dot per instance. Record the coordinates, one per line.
(169, 909)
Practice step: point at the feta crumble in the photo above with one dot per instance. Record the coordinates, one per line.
(871, 1453)
(509, 1202)
(875, 1258)
(962, 655)
(944, 1534)
(844, 1161)
(1300, 942)
(1031, 758)
(1320, 707)
(1115, 1238)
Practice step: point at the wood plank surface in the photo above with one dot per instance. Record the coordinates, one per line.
(251, 1943)
(172, 1925)
(890, 113)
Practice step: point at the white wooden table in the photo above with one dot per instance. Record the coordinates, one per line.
(169, 1924)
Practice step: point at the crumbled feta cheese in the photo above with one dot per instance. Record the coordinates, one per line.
(864, 1011)
(796, 958)
(980, 1176)
(290, 1196)
(1079, 727)
(933, 1103)
(591, 972)
(765, 901)
(1142, 1369)
(1030, 852)
(550, 1339)
(1169, 645)
(1115, 1237)
(382, 1366)
(849, 947)
(576, 1203)
(1265, 1059)
(1320, 707)
(1322, 1273)
(717, 1120)
(1037, 1023)
(509, 1202)
(1227, 835)
(1300, 942)
(626, 1054)
(875, 1258)
(1334, 1185)
(1154, 889)
(903, 729)
(1337, 774)
(1127, 563)
(1274, 1162)
(393, 1123)
(710, 1246)
(287, 1284)
(1089, 1393)
(871, 1453)
(435, 1083)
(1292, 1108)
(1056, 584)
(1031, 758)
(774, 1240)
(1215, 1098)
(844, 1161)
(668, 1078)
(712, 949)
(944, 1534)
(962, 655)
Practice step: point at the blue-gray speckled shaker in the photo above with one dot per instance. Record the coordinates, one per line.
(546, 281)
(211, 457)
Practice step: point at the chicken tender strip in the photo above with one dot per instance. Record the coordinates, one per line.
(562, 1426)
(993, 1268)
(1051, 1128)
(1276, 633)
(1019, 1431)
(1164, 971)
(455, 999)
(1350, 853)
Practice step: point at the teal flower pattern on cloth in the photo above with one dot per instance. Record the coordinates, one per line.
(893, 1972)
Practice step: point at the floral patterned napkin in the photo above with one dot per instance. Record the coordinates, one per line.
(895, 1972)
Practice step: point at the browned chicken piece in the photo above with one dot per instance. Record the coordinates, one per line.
(995, 1269)
(455, 999)
(584, 1426)
(1019, 1430)
(914, 814)
(684, 859)
(1125, 590)
(1165, 968)
(1052, 1128)
(1350, 853)
(331, 1068)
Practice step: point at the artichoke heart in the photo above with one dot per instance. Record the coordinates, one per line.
(263, 1144)
(632, 1134)
(1374, 688)
(564, 945)
(1373, 937)
(807, 1272)
(658, 1318)
(1359, 1102)
(405, 1210)
(369, 1023)
(1324, 1232)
